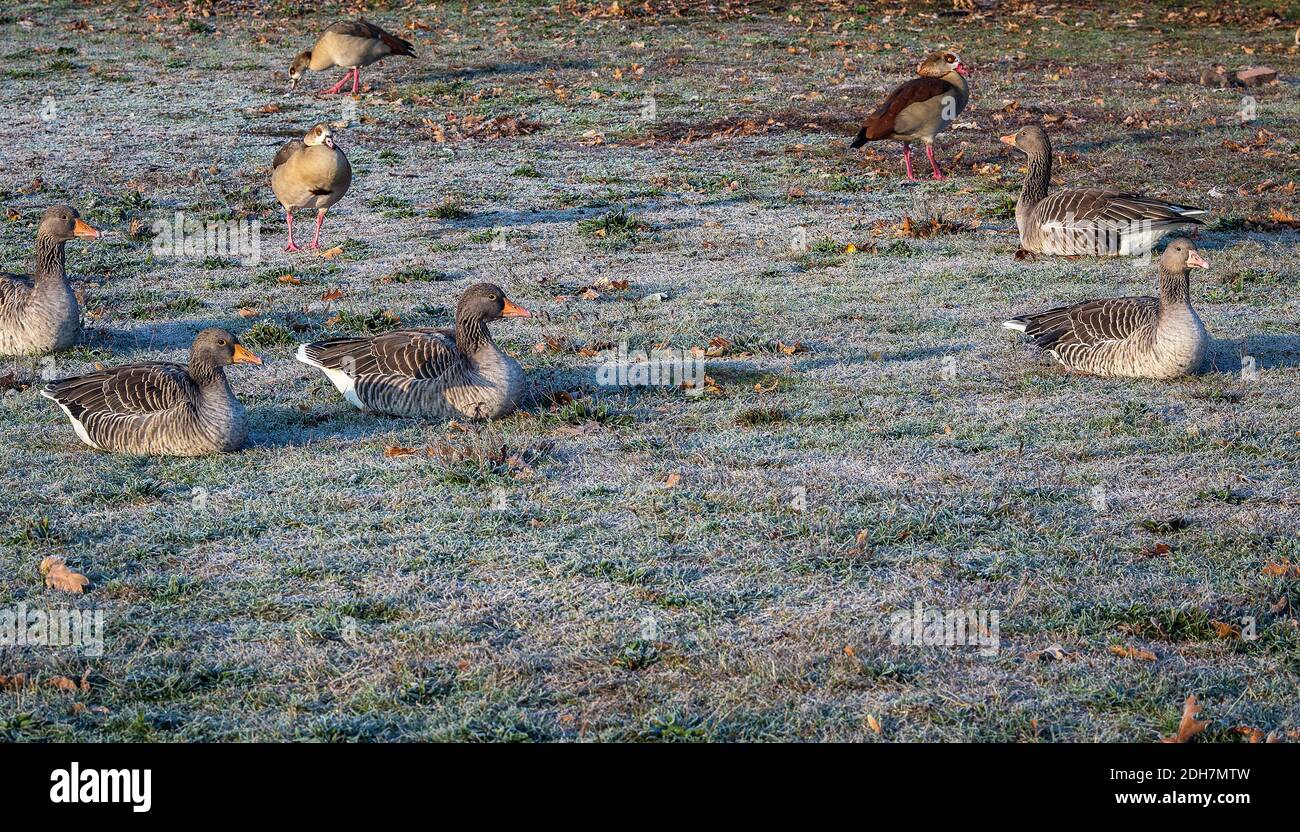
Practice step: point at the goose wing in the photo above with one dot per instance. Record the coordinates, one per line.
(15, 289)
(287, 152)
(1100, 206)
(365, 29)
(880, 124)
(134, 390)
(413, 353)
(1088, 324)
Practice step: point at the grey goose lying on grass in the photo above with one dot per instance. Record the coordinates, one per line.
(432, 373)
(1086, 221)
(351, 44)
(310, 174)
(1139, 337)
(920, 109)
(161, 409)
(39, 313)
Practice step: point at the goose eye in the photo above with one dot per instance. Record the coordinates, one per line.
(222, 342)
(492, 297)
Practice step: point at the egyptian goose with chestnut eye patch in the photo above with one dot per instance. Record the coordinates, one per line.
(161, 409)
(39, 313)
(1138, 337)
(432, 373)
(310, 174)
(1086, 221)
(920, 109)
(351, 44)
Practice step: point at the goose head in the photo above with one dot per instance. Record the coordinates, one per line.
(485, 302)
(218, 348)
(1180, 256)
(300, 63)
(1030, 140)
(939, 64)
(320, 134)
(62, 223)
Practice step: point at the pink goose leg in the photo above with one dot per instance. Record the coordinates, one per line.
(334, 89)
(315, 239)
(356, 78)
(907, 161)
(929, 153)
(292, 246)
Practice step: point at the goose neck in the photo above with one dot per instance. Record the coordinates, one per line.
(49, 258)
(1037, 177)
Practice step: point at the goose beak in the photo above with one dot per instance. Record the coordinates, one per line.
(243, 356)
(1195, 260)
(510, 310)
(962, 69)
(86, 231)
(1009, 140)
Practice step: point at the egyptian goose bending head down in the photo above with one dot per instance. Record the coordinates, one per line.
(39, 313)
(1087, 221)
(1139, 337)
(161, 409)
(430, 373)
(310, 174)
(920, 109)
(350, 44)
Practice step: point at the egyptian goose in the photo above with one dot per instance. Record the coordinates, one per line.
(351, 44)
(161, 409)
(433, 373)
(39, 314)
(1091, 221)
(920, 109)
(310, 174)
(1139, 337)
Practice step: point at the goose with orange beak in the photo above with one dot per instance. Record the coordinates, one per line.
(455, 373)
(1136, 337)
(159, 408)
(39, 313)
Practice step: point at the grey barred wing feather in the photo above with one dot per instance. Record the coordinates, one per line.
(1089, 324)
(136, 390)
(413, 353)
(14, 292)
(1102, 205)
(287, 151)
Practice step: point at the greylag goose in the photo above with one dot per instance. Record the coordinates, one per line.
(1092, 221)
(161, 409)
(351, 44)
(433, 373)
(39, 313)
(1140, 337)
(310, 174)
(921, 108)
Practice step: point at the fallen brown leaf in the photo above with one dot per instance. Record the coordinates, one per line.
(331, 253)
(1131, 652)
(1189, 726)
(59, 576)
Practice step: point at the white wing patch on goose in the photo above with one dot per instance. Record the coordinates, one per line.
(77, 427)
(343, 382)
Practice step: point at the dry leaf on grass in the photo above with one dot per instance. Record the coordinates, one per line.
(332, 295)
(59, 576)
(873, 724)
(290, 279)
(674, 479)
(396, 451)
(1285, 569)
(1223, 629)
(1131, 652)
(1189, 726)
(331, 253)
(14, 682)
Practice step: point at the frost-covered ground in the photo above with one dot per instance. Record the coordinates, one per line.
(643, 563)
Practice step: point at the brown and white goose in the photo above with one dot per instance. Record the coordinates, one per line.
(161, 409)
(1087, 221)
(1140, 337)
(920, 109)
(39, 313)
(351, 44)
(310, 174)
(431, 373)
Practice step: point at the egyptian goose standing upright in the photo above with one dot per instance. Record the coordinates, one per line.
(1139, 337)
(432, 373)
(920, 109)
(39, 314)
(351, 44)
(161, 409)
(1087, 221)
(310, 174)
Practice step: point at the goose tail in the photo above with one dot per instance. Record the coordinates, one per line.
(1017, 324)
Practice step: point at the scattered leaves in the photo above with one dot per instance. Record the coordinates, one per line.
(1189, 726)
(59, 576)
